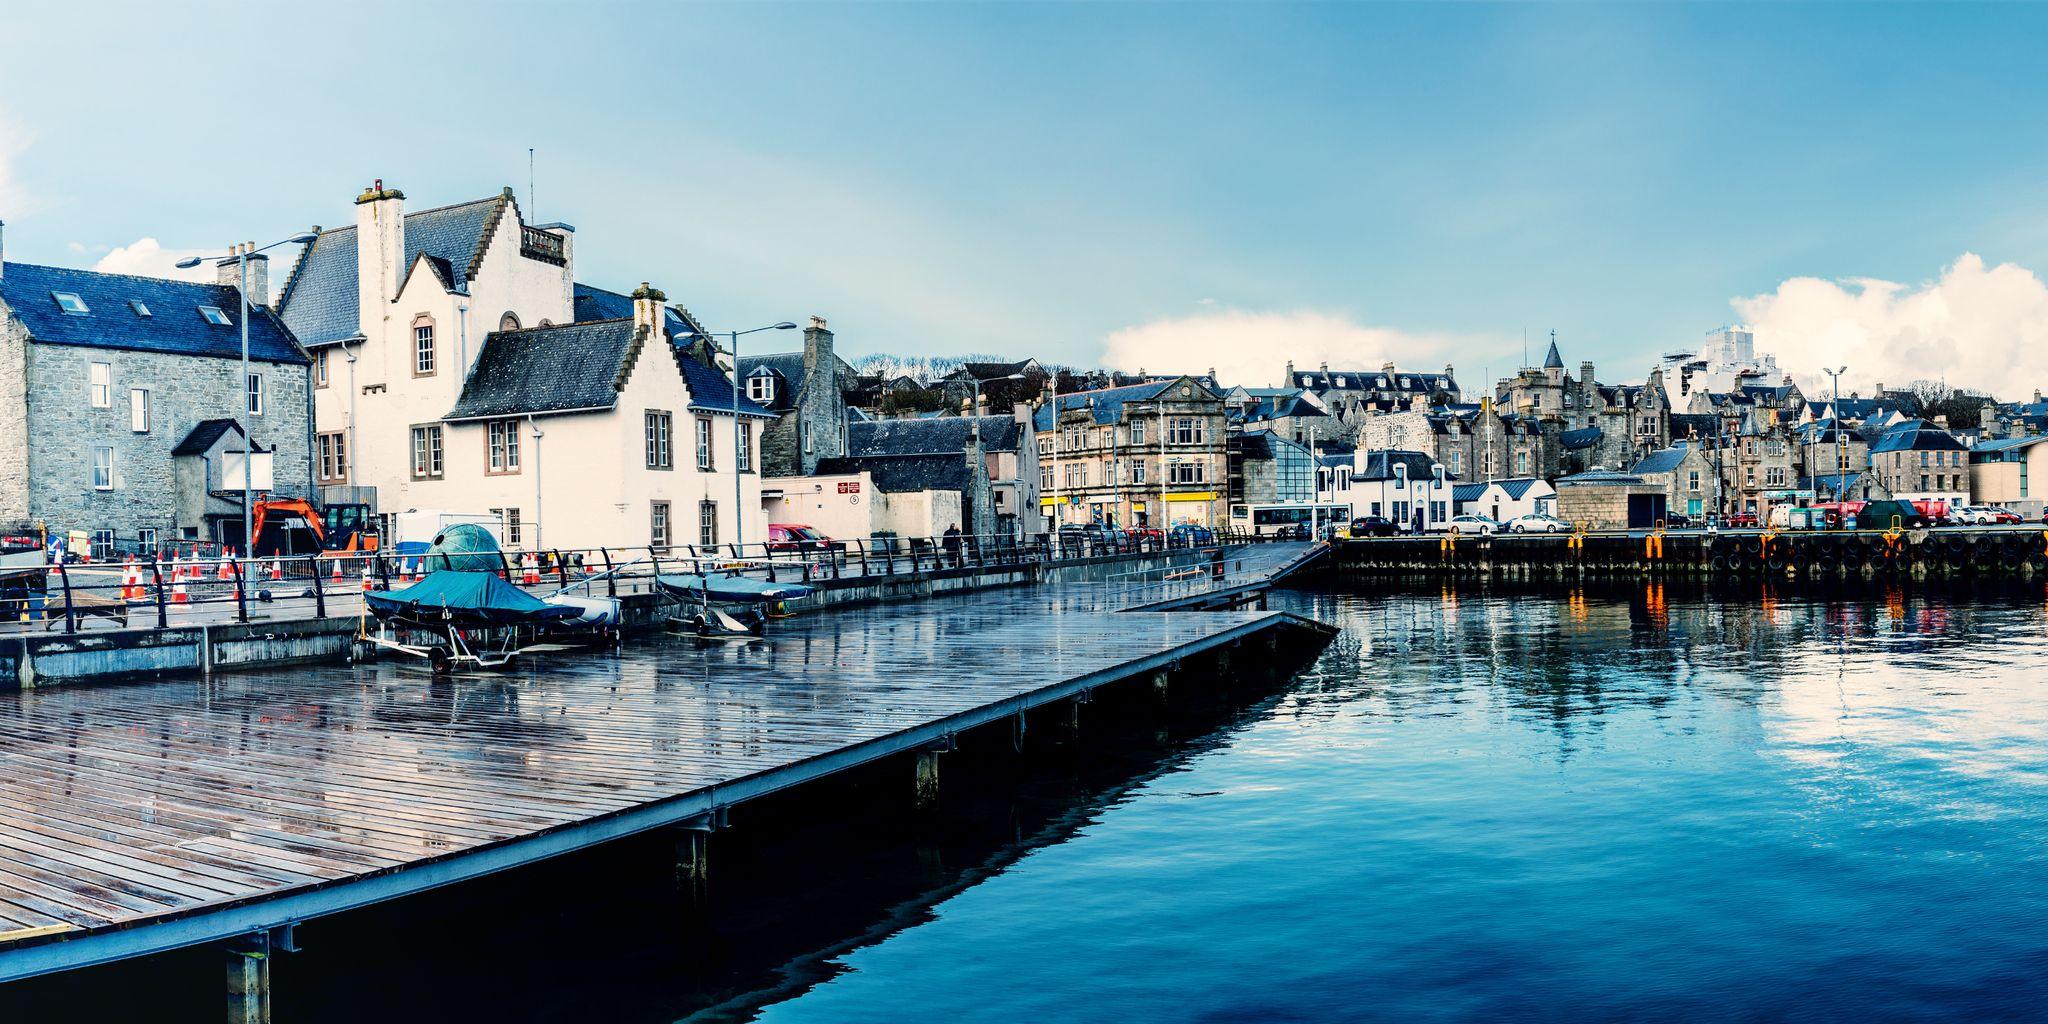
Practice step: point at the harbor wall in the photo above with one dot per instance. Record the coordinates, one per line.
(1957, 555)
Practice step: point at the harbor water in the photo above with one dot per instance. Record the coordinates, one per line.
(1624, 804)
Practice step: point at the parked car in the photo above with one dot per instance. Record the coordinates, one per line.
(1740, 521)
(798, 537)
(1472, 524)
(1679, 521)
(1536, 522)
(1984, 515)
(1190, 535)
(1373, 526)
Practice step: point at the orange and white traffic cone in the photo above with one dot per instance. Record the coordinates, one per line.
(227, 564)
(276, 569)
(178, 595)
(369, 581)
(529, 570)
(336, 577)
(131, 583)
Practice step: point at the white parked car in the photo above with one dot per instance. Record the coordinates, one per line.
(1537, 523)
(1469, 525)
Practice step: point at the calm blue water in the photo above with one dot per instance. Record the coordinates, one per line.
(1608, 807)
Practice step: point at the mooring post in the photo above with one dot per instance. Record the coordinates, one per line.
(1159, 686)
(693, 862)
(248, 966)
(1073, 722)
(926, 795)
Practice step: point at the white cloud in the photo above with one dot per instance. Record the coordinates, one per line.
(1978, 327)
(148, 258)
(1253, 348)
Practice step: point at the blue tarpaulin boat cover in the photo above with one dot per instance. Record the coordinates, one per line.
(732, 588)
(473, 599)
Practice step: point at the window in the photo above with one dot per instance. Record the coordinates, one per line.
(512, 531)
(101, 376)
(102, 469)
(138, 411)
(1137, 431)
(508, 322)
(1749, 476)
(1457, 462)
(502, 446)
(743, 460)
(70, 303)
(426, 452)
(255, 394)
(145, 539)
(333, 453)
(657, 524)
(703, 442)
(707, 523)
(103, 544)
(1521, 463)
(1187, 472)
(142, 310)
(320, 367)
(761, 388)
(1923, 460)
(658, 432)
(1186, 430)
(423, 361)
(215, 316)
(1923, 481)
(1692, 480)
(1137, 471)
(1045, 477)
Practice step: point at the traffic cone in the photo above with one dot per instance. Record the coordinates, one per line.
(276, 569)
(336, 578)
(369, 581)
(178, 595)
(131, 583)
(227, 563)
(529, 570)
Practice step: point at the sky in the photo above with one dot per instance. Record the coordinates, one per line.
(1158, 186)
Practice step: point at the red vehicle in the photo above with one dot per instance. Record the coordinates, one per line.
(1740, 520)
(1934, 510)
(798, 537)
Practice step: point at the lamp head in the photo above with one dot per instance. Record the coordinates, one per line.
(189, 262)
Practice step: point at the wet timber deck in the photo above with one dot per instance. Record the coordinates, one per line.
(138, 818)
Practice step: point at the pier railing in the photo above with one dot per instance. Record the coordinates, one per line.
(188, 585)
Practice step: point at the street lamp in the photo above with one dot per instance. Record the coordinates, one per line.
(241, 256)
(1841, 456)
(739, 515)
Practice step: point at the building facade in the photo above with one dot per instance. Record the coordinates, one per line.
(1149, 455)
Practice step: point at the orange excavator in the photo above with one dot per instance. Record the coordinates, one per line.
(292, 526)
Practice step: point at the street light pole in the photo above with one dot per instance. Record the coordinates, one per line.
(739, 512)
(240, 254)
(1841, 454)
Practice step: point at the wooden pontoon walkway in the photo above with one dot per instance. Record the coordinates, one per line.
(140, 818)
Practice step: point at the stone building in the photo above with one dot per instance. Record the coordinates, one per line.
(1685, 472)
(1009, 454)
(1350, 396)
(807, 390)
(121, 400)
(1610, 500)
(1922, 461)
(1151, 455)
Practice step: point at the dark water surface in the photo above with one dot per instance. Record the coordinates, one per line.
(1621, 805)
(1607, 807)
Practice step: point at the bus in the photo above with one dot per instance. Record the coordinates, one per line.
(1266, 520)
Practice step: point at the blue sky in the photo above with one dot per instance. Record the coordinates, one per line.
(1199, 184)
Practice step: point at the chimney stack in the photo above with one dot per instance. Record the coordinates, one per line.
(380, 251)
(647, 313)
(229, 272)
(1289, 382)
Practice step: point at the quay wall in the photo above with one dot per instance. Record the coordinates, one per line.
(1816, 557)
(105, 656)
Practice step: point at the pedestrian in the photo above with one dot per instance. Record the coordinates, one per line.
(952, 541)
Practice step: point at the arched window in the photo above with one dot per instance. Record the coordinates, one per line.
(508, 322)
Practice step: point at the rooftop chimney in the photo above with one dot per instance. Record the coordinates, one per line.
(229, 272)
(647, 301)
(1326, 368)
(380, 249)
(1387, 367)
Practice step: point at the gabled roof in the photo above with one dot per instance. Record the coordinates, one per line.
(319, 302)
(939, 436)
(1517, 486)
(577, 367)
(205, 435)
(1467, 492)
(174, 324)
(1575, 440)
(1663, 460)
(897, 474)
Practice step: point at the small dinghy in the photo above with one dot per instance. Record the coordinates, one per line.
(725, 606)
(457, 619)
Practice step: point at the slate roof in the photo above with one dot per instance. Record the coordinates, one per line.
(1826, 482)
(1467, 492)
(1686, 424)
(205, 435)
(711, 389)
(1916, 435)
(1663, 460)
(1293, 403)
(1373, 380)
(1552, 360)
(319, 302)
(1380, 465)
(1582, 438)
(942, 436)
(174, 325)
(2005, 444)
(1104, 405)
(897, 474)
(577, 366)
(1517, 486)
(992, 371)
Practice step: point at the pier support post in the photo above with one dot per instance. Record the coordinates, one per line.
(693, 863)
(248, 980)
(926, 794)
(1159, 687)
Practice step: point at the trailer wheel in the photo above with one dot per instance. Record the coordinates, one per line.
(437, 658)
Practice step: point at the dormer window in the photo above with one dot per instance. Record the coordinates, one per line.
(761, 388)
(70, 303)
(215, 316)
(141, 309)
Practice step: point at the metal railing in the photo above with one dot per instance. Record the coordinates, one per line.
(190, 586)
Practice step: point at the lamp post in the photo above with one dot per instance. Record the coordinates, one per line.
(1841, 455)
(739, 515)
(240, 254)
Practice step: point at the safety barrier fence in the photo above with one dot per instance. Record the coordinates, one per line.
(182, 587)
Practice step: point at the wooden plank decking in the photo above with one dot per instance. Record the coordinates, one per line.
(143, 817)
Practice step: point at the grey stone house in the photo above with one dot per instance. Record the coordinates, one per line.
(807, 392)
(120, 399)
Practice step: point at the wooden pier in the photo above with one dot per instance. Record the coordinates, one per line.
(141, 818)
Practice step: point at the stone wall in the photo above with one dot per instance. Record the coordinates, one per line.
(13, 422)
(63, 427)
